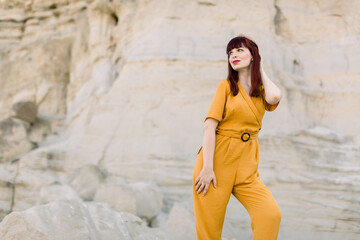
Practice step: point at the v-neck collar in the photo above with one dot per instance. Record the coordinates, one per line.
(250, 103)
(239, 83)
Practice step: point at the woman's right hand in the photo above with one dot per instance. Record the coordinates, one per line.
(204, 179)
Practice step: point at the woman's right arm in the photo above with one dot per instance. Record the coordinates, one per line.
(207, 173)
(212, 119)
(209, 143)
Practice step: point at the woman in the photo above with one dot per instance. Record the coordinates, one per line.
(229, 155)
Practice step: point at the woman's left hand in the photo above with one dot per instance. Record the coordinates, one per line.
(204, 180)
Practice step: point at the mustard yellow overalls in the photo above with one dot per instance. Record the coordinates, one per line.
(236, 160)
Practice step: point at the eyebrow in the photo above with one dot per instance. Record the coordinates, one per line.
(235, 48)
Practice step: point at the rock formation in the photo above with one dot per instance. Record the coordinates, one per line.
(71, 219)
(102, 104)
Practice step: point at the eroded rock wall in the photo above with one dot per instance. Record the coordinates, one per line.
(125, 85)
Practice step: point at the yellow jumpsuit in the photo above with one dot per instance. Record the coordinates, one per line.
(236, 167)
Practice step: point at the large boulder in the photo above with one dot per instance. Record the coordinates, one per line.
(119, 196)
(73, 219)
(141, 198)
(181, 224)
(149, 199)
(86, 180)
(56, 191)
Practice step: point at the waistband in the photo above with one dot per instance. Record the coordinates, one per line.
(243, 135)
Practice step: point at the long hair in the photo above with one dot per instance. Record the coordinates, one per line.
(256, 81)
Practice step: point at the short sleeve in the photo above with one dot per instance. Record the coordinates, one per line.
(269, 107)
(218, 102)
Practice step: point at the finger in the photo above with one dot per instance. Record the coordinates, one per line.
(214, 182)
(197, 179)
(197, 187)
(206, 189)
(200, 189)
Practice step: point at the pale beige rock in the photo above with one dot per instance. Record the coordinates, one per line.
(7, 179)
(125, 85)
(119, 196)
(55, 192)
(40, 178)
(141, 198)
(45, 159)
(13, 139)
(149, 199)
(160, 220)
(181, 224)
(72, 219)
(86, 180)
(37, 73)
(40, 130)
(25, 111)
(28, 185)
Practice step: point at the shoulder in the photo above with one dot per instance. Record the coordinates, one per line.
(224, 84)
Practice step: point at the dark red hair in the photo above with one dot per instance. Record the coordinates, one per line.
(256, 81)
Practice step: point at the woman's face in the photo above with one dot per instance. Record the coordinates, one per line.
(240, 58)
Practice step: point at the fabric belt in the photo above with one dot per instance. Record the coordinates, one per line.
(243, 135)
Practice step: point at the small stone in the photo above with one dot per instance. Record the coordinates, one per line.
(25, 111)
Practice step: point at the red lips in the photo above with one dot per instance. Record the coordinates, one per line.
(236, 61)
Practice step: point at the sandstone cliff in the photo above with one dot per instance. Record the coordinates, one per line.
(102, 99)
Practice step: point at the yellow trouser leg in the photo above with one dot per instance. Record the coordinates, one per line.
(263, 210)
(209, 210)
(209, 213)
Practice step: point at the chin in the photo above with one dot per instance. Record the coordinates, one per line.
(239, 68)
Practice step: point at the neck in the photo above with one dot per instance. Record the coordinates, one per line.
(245, 76)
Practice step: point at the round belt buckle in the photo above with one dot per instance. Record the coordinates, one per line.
(245, 133)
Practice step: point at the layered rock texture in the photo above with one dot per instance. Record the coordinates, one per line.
(102, 106)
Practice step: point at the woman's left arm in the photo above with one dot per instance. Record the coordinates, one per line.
(272, 92)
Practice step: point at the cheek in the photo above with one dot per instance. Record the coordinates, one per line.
(246, 56)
